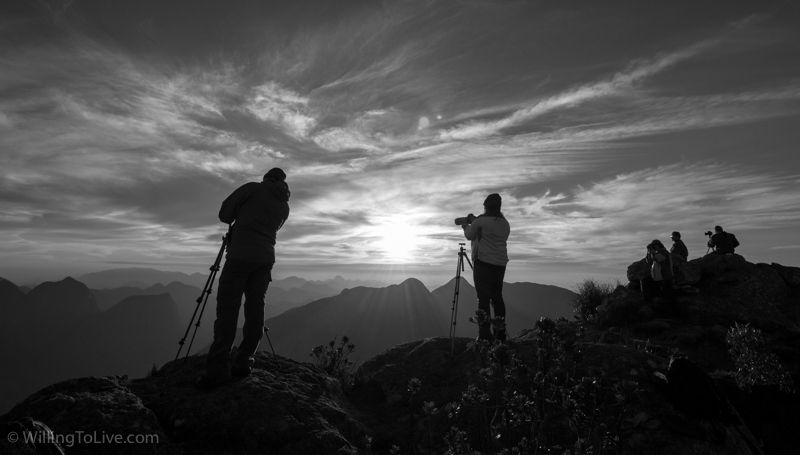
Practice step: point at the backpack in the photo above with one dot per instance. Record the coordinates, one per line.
(655, 268)
(734, 242)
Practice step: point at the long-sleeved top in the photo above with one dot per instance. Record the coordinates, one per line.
(489, 235)
(259, 209)
(679, 249)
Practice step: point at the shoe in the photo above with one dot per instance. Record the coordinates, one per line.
(206, 382)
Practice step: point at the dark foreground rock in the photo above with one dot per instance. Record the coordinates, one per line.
(283, 408)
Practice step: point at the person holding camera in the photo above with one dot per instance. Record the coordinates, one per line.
(722, 242)
(489, 235)
(255, 211)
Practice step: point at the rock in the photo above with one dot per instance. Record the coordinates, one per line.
(790, 275)
(283, 407)
(638, 270)
(84, 411)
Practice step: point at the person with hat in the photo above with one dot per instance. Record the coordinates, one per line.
(254, 212)
(680, 254)
(489, 235)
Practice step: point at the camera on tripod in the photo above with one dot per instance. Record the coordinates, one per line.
(465, 220)
(708, 233)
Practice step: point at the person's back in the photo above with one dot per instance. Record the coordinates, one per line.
(490, 239)
(679, 249)
(723, 242)
(259, 209)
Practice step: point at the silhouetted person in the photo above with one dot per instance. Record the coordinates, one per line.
(680, 254)
(489, 233)
(660, 263)
(723, 242)
(257, 211)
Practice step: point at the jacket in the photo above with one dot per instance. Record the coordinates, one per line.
(257, 211)
(679, 249)
(489, 236)
(724, 242)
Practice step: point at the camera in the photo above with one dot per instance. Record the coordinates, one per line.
(708, 233)
(465, 220)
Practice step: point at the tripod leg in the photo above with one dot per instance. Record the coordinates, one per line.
(454, 308)
(266, 334)
(200, 316)
(202, 299)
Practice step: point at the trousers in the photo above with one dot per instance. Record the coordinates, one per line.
(489, 287)
(238, 278)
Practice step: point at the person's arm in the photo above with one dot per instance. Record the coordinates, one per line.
(230, 206)
(472, 230)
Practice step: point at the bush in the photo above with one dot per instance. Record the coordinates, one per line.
(334, 359)
(755, 364)
(537, 404)
(591, 295)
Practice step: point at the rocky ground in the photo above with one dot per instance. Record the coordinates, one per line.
(639, 377)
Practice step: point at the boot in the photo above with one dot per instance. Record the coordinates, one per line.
(499, 328)
(243, 369)
(484, 325)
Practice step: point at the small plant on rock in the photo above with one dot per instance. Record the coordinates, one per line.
(334, 359)
(591, 295)
(755, 364)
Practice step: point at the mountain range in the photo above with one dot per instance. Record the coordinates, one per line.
(375, 319)
(65, 329)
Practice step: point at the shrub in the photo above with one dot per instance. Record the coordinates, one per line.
(755, 364)
(536, 405)
(334, 359)
(591, 295)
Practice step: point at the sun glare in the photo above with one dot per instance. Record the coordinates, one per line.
(398, 239)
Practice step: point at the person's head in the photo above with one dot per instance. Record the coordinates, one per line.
(717, 229)
(675, 236)
(275, 174)
(492, 204)
(277, 178)
(656, 245)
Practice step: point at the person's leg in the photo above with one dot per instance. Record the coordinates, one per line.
(229, 298)
(498, 305)
(483, 281)
(253, 329)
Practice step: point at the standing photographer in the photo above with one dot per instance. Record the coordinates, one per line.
(489, 234)
(257, 211)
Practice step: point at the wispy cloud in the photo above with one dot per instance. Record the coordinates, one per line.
(622, 83)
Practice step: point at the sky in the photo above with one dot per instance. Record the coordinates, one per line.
(603, 125)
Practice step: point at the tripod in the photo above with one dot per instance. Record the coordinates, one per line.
(203, 299)
(462, 255)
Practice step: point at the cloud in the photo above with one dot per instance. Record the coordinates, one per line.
(619, 84)
(271, 102)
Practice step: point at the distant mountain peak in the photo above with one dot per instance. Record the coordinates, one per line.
(413, 283)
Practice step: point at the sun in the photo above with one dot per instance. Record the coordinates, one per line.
(398, 239)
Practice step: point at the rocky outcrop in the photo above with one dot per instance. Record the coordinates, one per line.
(283, 408)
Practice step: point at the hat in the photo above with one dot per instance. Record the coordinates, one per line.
(676, 235)
(276, 174)
(718, 228)
(493, 201)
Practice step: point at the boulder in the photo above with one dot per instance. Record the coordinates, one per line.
(84, 411)
(283, 407)
(790, 275)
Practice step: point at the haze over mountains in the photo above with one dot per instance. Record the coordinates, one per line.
(66, 329)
